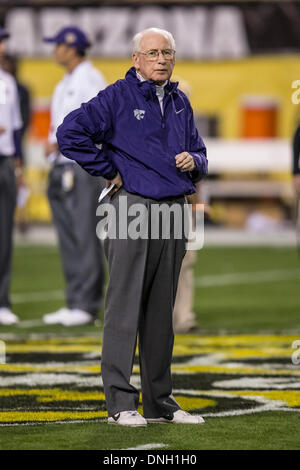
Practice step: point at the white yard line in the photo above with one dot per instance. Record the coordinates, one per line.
(226, 279)
(242, 412)
(43, 296)
(247, 278)
(30, 323)
(42, 423)
(205, 281)
(147, 447)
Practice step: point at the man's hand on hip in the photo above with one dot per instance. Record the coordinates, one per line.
(185, 161)
(117, 181)
(19, 172)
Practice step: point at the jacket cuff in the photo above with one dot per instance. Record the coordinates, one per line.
(110, 176)
(200, 169)
(197, 160)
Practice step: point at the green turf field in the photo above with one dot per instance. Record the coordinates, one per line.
(251, 301)
(236, 370)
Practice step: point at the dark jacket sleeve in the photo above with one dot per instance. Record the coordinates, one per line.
(198, 151)
(82, 130)
(25, 106)
(296, 152)
(18, 144)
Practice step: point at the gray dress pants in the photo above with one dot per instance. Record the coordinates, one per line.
(73, 204)
(8, 194)
(139, 301)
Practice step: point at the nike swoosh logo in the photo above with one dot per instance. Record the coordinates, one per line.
(168, 417)
(177, 112)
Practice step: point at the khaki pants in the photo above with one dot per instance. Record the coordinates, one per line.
(183, 316)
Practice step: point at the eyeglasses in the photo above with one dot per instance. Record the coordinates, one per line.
(153, 54)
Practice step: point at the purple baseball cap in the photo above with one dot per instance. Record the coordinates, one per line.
(71, 36)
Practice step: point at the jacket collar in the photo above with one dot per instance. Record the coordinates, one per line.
(147, 87)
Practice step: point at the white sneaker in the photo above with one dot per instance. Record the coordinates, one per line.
(68, 317)
(7, 317)
(127, 418)
(179, 416)
(77, 317)
(56, 317)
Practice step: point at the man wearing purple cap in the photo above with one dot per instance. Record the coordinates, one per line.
(10, 178)
(73, 193)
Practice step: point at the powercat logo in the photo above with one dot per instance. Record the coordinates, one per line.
(139, 114)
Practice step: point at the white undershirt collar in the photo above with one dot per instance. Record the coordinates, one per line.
(160, 90)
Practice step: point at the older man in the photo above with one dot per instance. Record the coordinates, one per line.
(153, 155)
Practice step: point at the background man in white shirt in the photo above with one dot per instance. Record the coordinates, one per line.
(10, 178)
(72, 192)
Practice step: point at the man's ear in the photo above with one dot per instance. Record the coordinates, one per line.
(135, 61)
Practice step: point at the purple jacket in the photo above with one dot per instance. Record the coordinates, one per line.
(137, 140)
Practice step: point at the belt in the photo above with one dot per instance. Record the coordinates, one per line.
(169, 198)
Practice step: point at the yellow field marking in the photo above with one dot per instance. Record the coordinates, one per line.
(50, 368)
(62, 395)
(290, 397)
(224, 369)
(235, 352)
(60, 340)
(15, 416)
(238, 340)
(230, 340)
(176, 368)
(236, 347)
(53, 394)
(194, 403)
(51, 348)
(73, 340)
(228, 348)
(227, 353)
(231, 347)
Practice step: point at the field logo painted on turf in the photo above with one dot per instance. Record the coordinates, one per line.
(296, 354)
(2, 352)
(58, 379)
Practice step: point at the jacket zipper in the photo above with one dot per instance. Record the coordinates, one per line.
(162, 112)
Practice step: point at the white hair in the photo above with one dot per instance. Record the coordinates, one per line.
(136, 41)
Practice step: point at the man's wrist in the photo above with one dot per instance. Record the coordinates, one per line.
(18, 164)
